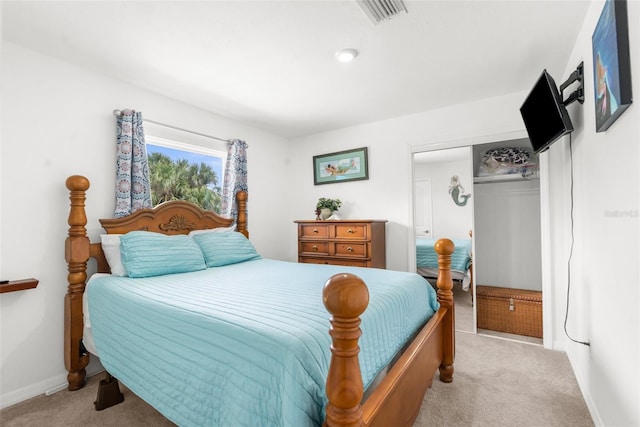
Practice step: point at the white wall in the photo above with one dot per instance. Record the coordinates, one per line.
(605, 277)
(57, 122)
(507, 234)
(387, 193)
(449, 220)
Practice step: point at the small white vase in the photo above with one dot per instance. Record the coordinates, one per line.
(325, 213)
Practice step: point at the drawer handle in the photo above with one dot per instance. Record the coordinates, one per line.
(315, 248)
(349, 249)
(315, 230)
(350, 231)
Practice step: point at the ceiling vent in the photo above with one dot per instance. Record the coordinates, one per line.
(382, 10)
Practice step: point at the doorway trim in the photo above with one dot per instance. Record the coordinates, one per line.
(545, 218)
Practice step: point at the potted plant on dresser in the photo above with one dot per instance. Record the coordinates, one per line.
(325, 207)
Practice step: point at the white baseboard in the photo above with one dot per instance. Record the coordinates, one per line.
(48, 387)
(586, 395)
(32, 390)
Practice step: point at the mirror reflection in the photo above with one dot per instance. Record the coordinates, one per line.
(443, 208)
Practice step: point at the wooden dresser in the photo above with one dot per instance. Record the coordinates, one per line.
(359, 243)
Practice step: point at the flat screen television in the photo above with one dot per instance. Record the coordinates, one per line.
(545, 116)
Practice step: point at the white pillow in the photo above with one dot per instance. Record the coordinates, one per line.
(111, 249)
(214, 230)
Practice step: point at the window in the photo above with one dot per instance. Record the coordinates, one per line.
(182, 171)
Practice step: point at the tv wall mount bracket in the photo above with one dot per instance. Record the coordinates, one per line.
(578, 94)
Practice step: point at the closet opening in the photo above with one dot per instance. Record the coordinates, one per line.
(506, 220)
(507, 239)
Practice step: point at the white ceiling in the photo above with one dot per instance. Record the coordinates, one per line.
(271, 63)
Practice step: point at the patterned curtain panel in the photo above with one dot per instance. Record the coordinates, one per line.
(235, 177)
(133, 191)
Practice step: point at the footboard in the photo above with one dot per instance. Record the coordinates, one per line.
(397, 399)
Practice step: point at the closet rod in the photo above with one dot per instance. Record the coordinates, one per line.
(117, 113)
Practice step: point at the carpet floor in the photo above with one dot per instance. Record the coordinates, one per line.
(496, 383)
(499, 382)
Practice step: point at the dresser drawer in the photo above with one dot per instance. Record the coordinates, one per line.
(351, 249)
(314, 231)
(351, 231)
(335, 261)
(321, 248)
(358, 243)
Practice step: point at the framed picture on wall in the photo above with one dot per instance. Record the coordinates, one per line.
(611, 64)
(341, 166)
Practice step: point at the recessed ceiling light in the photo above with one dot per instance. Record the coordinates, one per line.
(346, 55)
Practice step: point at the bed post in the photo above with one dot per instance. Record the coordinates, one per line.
(346, 297)
(241, 221)
(444, 248)
(76, 357)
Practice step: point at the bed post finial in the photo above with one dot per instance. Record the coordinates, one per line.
(444, 248)
(77, 255)
(346, 297)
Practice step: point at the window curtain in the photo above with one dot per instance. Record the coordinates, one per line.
(235, 177)
(133, 191)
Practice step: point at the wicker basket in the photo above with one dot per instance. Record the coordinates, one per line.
(516, 311)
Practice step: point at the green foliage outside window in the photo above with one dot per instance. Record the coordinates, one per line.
(181, 180)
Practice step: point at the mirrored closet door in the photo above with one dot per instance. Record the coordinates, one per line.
(443, 207)
(486, 196)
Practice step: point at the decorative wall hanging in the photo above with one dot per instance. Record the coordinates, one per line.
(457, 192)
(508, 161)
(342, 166)
(611, 64)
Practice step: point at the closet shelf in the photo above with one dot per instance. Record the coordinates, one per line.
(503, 178)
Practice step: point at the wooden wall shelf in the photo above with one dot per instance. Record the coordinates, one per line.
(18, 285)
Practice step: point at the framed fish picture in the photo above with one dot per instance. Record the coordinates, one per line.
(341, 166)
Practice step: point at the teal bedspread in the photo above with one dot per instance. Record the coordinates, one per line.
(426, 255)
(245, 344)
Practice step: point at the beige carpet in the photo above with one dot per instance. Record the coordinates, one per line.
(496, 383)
(505, 383)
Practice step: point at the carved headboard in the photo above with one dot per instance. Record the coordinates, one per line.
(174, 217)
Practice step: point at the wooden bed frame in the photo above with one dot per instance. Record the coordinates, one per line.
(397, 398)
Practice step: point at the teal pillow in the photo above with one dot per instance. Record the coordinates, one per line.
(147, 254)
(225, 248)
